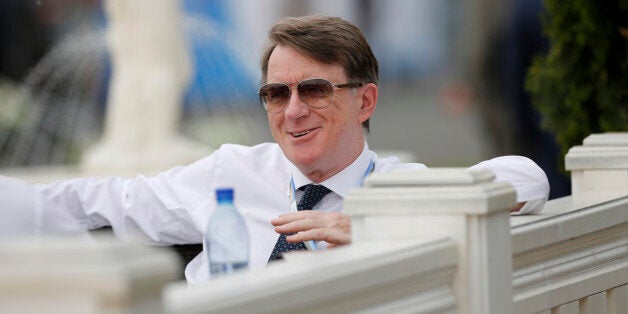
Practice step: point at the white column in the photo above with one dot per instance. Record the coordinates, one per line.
(464, 205)
(601, 163)
(67, 275)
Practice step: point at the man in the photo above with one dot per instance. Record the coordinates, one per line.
(319, 87)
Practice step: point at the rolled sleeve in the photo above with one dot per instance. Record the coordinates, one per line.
(525, 176)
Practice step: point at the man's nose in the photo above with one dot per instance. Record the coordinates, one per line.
(295, 107)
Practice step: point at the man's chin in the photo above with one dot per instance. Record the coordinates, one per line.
(304, 159)
(304, 162)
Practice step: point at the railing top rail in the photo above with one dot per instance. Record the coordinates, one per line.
(569, 217)
(324, 275)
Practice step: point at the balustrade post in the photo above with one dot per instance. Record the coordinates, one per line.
(601, 163)
(465, 205)
(69, 275)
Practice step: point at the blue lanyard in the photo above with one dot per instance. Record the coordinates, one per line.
(292, 192)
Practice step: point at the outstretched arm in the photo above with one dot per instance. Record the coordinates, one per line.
(157, 209)
(526, 177)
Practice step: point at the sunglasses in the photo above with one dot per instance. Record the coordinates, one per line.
(316, 93)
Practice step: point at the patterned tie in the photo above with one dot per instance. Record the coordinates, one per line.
(312, 195)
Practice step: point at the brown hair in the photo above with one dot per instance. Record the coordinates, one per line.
(329, 40)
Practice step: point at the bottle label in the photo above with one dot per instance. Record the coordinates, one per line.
(225, 268)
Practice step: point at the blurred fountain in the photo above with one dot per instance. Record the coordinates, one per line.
(47, 120)
(46, 123)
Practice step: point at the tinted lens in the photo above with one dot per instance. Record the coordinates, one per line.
(315, 92)
(274, 96)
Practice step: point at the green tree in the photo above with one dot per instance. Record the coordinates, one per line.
(581, 85)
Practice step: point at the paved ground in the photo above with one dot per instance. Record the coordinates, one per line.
(412, 118)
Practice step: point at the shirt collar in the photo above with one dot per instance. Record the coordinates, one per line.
(344, 181)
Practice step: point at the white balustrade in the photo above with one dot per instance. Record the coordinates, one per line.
(374, 277)
(600, 164)
(69, 275)
(573, 258)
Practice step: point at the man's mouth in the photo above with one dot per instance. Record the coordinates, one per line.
(299, 134)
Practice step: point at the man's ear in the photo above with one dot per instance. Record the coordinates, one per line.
(369, 101)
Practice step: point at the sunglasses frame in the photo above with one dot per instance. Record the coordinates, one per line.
(262, 96)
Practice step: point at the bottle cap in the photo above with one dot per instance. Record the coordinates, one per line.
(224, 195)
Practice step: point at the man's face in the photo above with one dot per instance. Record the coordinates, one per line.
(320, 142)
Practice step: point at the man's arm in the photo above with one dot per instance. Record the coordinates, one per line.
(525, 176)
(157, 208)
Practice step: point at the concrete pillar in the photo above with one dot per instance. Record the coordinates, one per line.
(69, 275)
(601, 163)
(465, 205)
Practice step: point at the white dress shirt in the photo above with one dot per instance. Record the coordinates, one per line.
(174, 207)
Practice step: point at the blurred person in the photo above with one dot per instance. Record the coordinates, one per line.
(499, 48)
(525, 40)
(319, 88)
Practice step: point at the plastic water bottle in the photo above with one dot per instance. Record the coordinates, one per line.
(227, 238)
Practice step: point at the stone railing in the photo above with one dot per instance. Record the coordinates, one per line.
(381, 276)
(69, 275)
(573, 258)
(439, 240)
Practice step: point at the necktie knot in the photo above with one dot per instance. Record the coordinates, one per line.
(312, 194)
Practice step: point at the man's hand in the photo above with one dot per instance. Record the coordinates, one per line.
(517, 207)
(333, 228)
